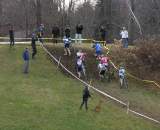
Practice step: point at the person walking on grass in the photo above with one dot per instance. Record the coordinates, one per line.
(124, 36)
(26, 61)
(78, 36)
(86, 96)
(33, 44)
(11, 36)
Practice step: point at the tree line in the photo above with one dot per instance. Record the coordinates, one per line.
(141, 17)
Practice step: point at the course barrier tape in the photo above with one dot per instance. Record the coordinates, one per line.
(147, 81)
(59, 39)
(97, 90)
(92, 40)
(23, 43)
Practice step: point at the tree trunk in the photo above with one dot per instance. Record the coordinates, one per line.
(26, 17)
(131, 22)
(0, 11)
(39, 12)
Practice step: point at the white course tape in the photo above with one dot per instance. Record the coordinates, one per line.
(7, 43)
(7, 38)
(103, 93)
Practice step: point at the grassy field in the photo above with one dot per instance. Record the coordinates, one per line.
(142, 97)
(45, 99)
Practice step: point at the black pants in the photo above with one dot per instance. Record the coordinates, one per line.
(85, 101)
(11, 41)
(34, 52)
(40, 39)
(55, 39)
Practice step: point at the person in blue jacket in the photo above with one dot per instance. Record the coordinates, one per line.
(26, 61)
(98, 48)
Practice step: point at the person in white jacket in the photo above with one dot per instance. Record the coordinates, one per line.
(124, 36)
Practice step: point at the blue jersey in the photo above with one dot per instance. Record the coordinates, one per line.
(98, 47)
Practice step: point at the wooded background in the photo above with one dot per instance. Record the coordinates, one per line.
(141, 17)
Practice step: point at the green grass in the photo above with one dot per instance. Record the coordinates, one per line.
(45, 99)
(142, 97)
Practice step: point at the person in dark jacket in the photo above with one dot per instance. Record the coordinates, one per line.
(11, 36)
(33, 44)
(26, 60)
(40, 33)
(55, 33)
(67, 32)
(86, 95)
(78, 36)
(103, 34)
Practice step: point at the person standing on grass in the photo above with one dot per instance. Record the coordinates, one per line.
(40, 33)
(55, 33)
(78, 36)
(124, 36)
(26, 61)
(33, 44)
(11, 36)
(86, 95)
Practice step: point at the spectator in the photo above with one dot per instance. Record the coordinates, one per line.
(67, 32)
(11, 35)
(103, 34)
(26, 61)
(86, 95)
(33, 44)
(78, 36)
(55, 34)
(124, 36)
(40, 32)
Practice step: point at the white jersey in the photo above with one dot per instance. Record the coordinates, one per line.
(79, 54)
(124, 34)
(79, 62)
(121, 72)
(101, 67)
